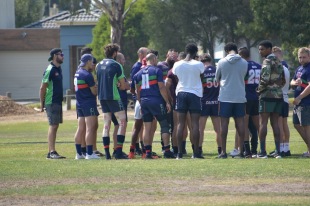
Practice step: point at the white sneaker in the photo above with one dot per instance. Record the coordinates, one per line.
(234, 152)
(92, 156)
(78, 157)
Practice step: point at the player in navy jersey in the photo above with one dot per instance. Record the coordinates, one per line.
(86, 108)
(111, 77)
(251, 83)
(153, 98)
(209, 102)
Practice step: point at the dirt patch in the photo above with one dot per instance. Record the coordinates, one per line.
(8, 107)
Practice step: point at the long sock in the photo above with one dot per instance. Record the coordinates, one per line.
(166, 148)
(193, 147)
(262, 146)
(106, 146)
(162, 143)
(148, 150)
(83, 150)
(277, 143)
(286, 146)
(247, 147)
(89, 149)
(219, 150)
(175, 149)
(137, 145)
(200, 150)
(183, 146)
(132, 148)
(120, 142)
(78, 149)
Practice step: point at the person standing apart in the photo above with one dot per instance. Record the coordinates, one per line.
(86, 108)
(272, 79)
(189, 93)
(51, 96)
(230, 73)
(301, 82)
(110, 76)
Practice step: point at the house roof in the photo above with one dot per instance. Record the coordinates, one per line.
(80, 17)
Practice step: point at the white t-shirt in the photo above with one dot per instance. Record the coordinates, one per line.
(188, 73)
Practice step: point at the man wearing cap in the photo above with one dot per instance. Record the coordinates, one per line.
(51, 95)
(86, 108)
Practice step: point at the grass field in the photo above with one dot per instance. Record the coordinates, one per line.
(27, 178)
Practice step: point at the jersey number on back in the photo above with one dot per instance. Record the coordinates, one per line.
(145, 81)
(254, 76)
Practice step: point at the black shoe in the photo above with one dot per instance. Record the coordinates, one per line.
(150, 156)
(179, 156)
(288, 153)
(222, 156)
(273, 153)
(122, 156)
(197, 156)
(168, 154)
(48, 156)
(138, 151)
(108, 156)
(55, 155)
(262, 155)
(99, 154)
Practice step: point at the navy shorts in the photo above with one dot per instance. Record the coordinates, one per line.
(186, 101)
(285, 110)
(54, 114)
(87, 111)
(211, 110)
(252, 107)
(151, 109)
(112, 106)
(228, 109)
(301, 115)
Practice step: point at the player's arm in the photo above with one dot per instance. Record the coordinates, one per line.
(94, 90)
(164, 94)
(42, 94)
(138, 91)
(302, 95)
(168, 85)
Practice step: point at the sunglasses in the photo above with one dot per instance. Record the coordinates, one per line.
(61, 54)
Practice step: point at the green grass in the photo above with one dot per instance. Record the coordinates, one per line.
(27, 178)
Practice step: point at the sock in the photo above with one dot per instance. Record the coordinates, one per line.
(142, 145)
(132, 148)
(247, 147)
(162, 143)
(148, 150)
(89, 149)
(193, 147)
(106, 146)
(219, 150)
(281, 147)
(137, 146)
(200, 150)
(286, 146)
(183, 146)
(166, 148)
(120, 142)
(262, 146)
(83, 150)
(277, 143)
(78, 149)
(175, 149)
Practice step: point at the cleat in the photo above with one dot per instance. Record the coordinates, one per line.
(92, 156)
(55, 155)
(131, 155)
(98, 153)
(138, 151)
(288, 153)
(179, 156)
(168, 154)
(262, 155)
(78, 157)
(222, 156)
(234, 152)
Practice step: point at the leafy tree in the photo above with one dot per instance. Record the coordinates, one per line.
(28, 11)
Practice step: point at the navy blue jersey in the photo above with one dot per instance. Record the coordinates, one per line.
(251, 80)
(165, 68)
(54, 91)
(284, 63)
(83, 80)
(134, 70)
(109, 72)
(123, 95)
(211, 87)
(302, 72)
(148, 79)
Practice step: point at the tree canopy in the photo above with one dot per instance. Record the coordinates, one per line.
(28, 11)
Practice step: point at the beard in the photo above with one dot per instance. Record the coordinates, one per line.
(59, 61)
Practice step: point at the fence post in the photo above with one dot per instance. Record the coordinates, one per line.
(68, 99)
(9, 95)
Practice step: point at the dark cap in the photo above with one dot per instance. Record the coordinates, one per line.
(86, 50)
(53, 52)
(84, 59)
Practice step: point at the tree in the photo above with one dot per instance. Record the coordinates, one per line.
(28, 11)
(115, 10)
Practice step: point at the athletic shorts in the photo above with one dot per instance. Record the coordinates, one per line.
(301, 115)
(186, 101)
(151, 109)
(211, 110)
(228, 109)
(270, 107)
(112, 106)
(138, 114)
(114, 119)
(87, 111)
(54, 113)
(285, 110)
(251, 107)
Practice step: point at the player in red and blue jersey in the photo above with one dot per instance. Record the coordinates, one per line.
(153, 97)
(209, 102)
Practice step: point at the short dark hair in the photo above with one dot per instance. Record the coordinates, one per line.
(152, 51)
(265, 43)
(230, 46)
(110, 49)
(191, 49)
(244, 52)
(86, 50)
(205, 58)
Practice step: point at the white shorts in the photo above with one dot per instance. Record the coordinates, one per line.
(138, 114)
